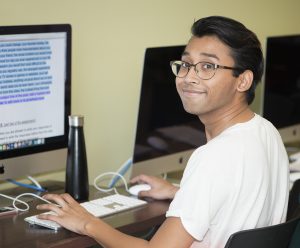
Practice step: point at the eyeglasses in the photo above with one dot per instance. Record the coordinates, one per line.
(204, 70)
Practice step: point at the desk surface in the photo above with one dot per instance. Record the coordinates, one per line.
(15, 232)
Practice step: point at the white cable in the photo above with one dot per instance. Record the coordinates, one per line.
(16, 199)
(31, 194)
(35, 182)
(110, 189)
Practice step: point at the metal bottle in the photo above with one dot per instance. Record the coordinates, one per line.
(77, 183)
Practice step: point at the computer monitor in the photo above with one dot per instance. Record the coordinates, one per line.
(281, 98)
(35, 98)
(166, 135)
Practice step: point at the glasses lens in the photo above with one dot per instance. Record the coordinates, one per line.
(179, 69)
(205, 70)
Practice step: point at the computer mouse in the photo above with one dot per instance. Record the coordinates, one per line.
(135, 189)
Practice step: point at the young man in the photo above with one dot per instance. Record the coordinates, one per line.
(238, 180)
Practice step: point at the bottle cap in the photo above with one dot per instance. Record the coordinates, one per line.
(76, 120)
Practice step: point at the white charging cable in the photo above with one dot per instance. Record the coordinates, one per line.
(35, 182)
(16, 199)
(109, 189)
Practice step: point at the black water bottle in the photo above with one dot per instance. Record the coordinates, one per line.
(77, 183)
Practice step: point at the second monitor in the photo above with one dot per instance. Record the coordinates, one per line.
(35, 98)
(166, 135)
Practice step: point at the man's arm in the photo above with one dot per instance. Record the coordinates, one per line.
(170, 234)
(74, 217)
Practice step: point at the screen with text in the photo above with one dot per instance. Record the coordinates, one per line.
(32, 94)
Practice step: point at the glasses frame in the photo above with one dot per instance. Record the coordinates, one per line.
(215, 67)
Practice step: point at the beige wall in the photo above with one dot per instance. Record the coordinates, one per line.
(109, 40)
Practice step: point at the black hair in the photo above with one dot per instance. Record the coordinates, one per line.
(245, 46)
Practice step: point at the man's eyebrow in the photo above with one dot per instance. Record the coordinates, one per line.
(186, 53)
(210, 55)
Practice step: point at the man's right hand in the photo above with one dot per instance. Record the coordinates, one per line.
(160, 188)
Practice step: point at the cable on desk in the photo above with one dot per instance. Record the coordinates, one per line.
(16, 199)
(109, 189)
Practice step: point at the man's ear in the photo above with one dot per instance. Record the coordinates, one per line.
(245, 81)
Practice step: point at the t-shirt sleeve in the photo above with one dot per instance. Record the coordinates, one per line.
(203, 189)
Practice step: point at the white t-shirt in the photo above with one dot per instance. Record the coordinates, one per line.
(239, 180)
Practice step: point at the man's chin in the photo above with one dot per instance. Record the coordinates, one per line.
(191, 110)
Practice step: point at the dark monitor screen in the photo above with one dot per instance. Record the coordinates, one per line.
(281, 102)
(164, 130)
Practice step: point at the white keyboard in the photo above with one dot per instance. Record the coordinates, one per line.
(99, 207)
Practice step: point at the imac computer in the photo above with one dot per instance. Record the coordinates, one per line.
(35, 98)
(166, 135)
(281, 98)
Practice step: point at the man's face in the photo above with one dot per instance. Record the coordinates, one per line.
(215, 95)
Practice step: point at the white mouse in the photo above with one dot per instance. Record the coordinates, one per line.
(135, 189)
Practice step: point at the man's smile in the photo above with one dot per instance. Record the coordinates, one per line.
(192, 92)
